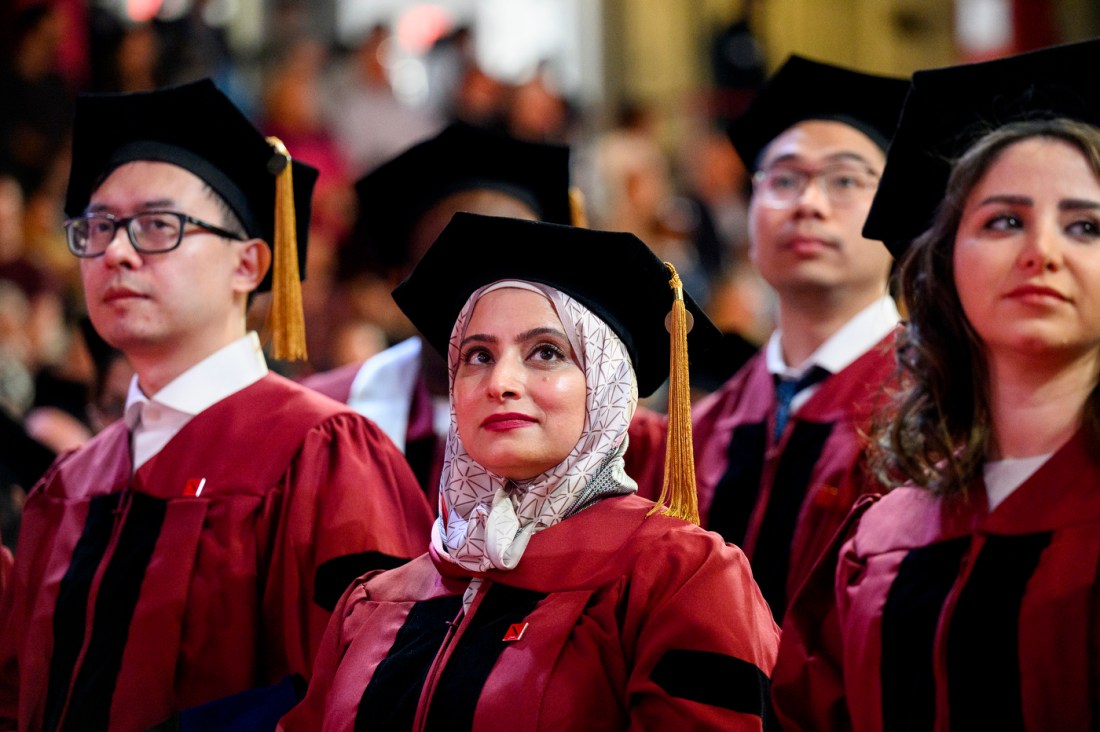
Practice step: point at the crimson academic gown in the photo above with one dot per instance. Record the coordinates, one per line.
(610, 621)
(782, 501)
(135, 597)
(952, 617)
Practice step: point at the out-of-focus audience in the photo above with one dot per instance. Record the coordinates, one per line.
(338, 109)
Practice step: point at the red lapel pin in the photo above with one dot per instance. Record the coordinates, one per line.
(193, 487)
(515, 632)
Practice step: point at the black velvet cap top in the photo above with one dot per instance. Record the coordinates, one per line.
(196, 127)
(394, 196)
(949, 109)
(803, 90)
(615, 275)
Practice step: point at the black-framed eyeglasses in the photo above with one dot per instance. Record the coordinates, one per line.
(782, 185)
(150, 232)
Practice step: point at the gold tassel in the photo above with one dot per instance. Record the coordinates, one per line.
(287, 319)
(577, 212)
(678, 487)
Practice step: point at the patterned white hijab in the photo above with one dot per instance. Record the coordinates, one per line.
(486, 520)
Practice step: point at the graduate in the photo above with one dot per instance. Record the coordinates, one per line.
(193, 550)
(778, 447)
(551, 597)
(403, 205)
(968, 597)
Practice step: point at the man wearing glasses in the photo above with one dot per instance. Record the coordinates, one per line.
(193, 551)
(778, 446)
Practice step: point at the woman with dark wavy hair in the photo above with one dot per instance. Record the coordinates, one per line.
(945, 429)
(968, 597)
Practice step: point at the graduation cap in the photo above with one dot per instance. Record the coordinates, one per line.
(613, 274)
(803, 90)
(196, 127)
(949, 109)
(395, 195)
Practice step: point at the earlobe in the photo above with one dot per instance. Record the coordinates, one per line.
(252, 265)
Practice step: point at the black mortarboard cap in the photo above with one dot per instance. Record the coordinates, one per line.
(196, 127)
(803, 90)
(949, 109)
(615, 275)
(394, 196)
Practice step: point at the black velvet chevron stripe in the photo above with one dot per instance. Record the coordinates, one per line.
(909, 619)
(481, 644)
(715, 679)
(92, 690)
(70, 611)
(389, 702)
(771, 557)
(116, 600)
(983, 662)
(736, 492)
(333, 577)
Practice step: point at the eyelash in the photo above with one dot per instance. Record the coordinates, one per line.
(473, 351)
(469, 353)
(994, 223)
(1015, 222)
(1095, 228)
(558, 352)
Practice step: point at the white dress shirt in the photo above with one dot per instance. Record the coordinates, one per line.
(852, 340)
(382, 391)
(155, 420)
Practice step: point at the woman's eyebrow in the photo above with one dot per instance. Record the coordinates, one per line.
(1005, 198)
(1077, 204)
(480, 338)
(524, 336)
(541, 331)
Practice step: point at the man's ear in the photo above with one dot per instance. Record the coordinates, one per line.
(252, 265)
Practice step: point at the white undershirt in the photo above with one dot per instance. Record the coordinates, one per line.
(382, 391)
(849, 342)
(153, 421)
(1004, 476)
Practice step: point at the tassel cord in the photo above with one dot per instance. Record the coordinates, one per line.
(678, 486)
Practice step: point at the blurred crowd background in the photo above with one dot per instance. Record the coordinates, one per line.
(640, 89)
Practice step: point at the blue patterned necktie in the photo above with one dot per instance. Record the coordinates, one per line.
(785, 392)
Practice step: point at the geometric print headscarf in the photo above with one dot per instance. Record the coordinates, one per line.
(486, 520)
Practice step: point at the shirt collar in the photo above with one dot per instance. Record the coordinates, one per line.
(852, 340)
(224, 372)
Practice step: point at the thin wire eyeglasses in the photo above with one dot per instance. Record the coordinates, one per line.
(150, 232)
(781, 186)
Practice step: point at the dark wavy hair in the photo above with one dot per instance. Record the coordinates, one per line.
(938, 432)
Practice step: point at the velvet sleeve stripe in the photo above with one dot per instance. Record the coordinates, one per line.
(334, 576)
(715, 679)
